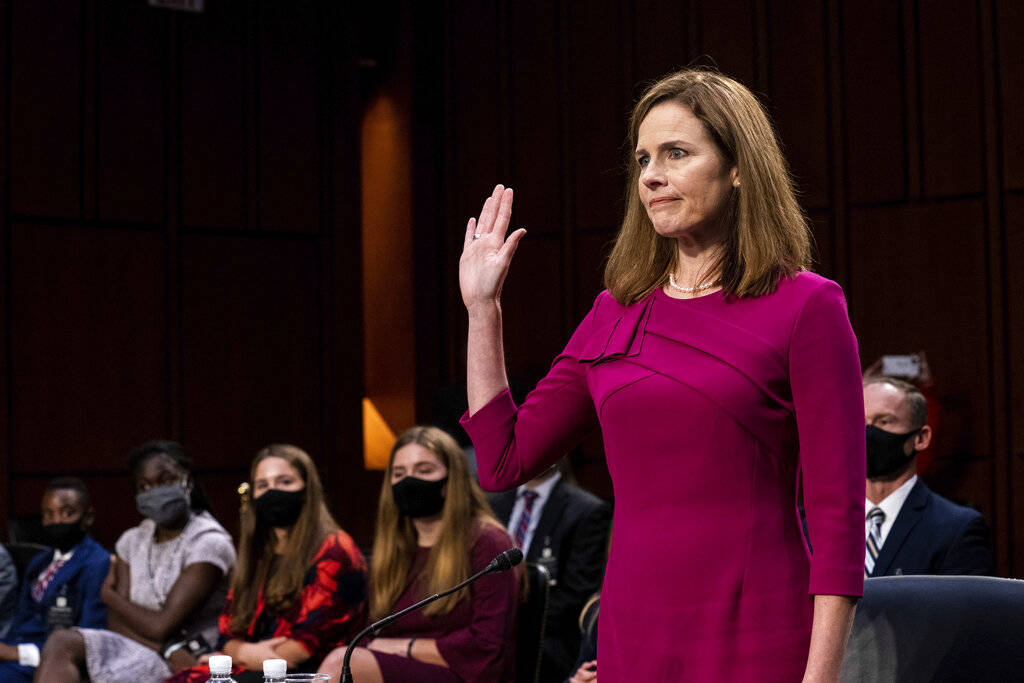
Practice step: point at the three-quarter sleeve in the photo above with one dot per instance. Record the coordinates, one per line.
(479, 652)
(513, 445)
(828, 400)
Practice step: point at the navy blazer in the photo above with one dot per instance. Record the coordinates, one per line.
(571, 540)
(82, 576)
(932, 535)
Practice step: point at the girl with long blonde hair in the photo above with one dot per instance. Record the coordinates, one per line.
(434, 529)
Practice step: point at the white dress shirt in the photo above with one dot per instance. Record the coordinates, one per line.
(28, 653)
(891, 506)
(543, 491)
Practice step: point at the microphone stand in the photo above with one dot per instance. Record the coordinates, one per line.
(377, 627)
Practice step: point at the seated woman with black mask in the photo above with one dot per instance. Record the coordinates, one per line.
(165, 585)
(300, 584)
(435, 529)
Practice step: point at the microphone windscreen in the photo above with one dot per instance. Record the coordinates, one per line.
(507, 559)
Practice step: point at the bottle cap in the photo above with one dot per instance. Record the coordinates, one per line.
(275, 668)
(220, 665)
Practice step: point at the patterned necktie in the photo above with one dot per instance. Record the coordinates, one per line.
(874, 539)
(529, 497)
(44, 580)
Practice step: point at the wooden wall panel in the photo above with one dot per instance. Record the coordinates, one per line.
(600, 78)
(88, 346)
(251, 371)
(661, 40)
(591, 250)
(1010, 26)
(46, 127)
(875, 154)
(951, 122)
(533, 334)
(798, 78)
(536, 135)
(214, 151)
(131, 66)
(906, 298)
(727, 35)
(1015, 325)
(288, 116)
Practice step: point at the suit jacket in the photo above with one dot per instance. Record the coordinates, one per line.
(571, 540)
(932, 535)
(79, 579)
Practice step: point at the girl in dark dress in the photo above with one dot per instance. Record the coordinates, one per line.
(435, 529)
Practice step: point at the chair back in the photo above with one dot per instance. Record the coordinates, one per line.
(530, 625)
(22, 554)
(937, 628)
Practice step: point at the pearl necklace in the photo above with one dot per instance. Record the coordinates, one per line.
(690, 290)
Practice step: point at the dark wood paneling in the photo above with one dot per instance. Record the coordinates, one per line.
(598, 107)
(951, 122)
(288, 116)
(798, 79)
(251, 351)
(1010, 25)
(727, 35)
(873, 101)
(214, 154)
(590, 251)
(533, 334)
(824, 242)
(45, 100)
(660, 40)
(906, 298)
(88, 346)
(1015, 325)
(131, 63)
(533, 112)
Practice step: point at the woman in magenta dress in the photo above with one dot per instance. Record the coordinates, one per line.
(435, 529)
(726, 383)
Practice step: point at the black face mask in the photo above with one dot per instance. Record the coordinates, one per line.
(885, 451)
(416, 497)
(280, 509)
(64, 537)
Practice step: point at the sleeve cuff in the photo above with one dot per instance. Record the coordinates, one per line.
(494, 412)
(28, 655)
(836, 581)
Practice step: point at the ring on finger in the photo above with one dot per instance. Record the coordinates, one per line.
(476, 235)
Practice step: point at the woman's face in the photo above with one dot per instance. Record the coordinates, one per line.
(684, 180)
(417, 461)
(275, 473)
(158, 470)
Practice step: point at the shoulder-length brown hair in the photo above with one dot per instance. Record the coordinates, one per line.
(282, 586)
(767, 234)
(394, 544)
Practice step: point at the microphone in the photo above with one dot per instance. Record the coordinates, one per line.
(503, 562)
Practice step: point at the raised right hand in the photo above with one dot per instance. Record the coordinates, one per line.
(485, 259)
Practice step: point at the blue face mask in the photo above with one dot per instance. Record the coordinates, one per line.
(164, 504)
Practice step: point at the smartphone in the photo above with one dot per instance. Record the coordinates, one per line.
(908, 366)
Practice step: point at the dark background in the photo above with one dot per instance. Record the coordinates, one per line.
(193, 242)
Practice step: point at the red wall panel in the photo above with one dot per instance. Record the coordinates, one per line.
(88, 346)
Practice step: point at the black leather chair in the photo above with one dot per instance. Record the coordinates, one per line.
(530, 624)
(937, 628)
(22, 554)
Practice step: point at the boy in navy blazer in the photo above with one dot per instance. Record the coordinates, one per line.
(60, 588)
(908, 528)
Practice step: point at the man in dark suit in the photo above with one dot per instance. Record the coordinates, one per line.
(910, 529)
(561, 526)
(60, 588)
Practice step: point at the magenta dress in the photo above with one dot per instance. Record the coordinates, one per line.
(713, 410)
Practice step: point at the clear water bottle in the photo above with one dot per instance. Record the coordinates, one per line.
(274, 670)
(220, 669)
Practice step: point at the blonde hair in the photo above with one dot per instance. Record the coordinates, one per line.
(394, 546)
(256, 544)
(767, 233)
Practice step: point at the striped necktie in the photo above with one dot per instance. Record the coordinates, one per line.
(874, 540)
(529, 497)
(43, 582)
